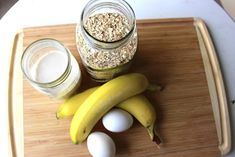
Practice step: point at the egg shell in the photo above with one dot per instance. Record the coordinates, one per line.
(117, 120)
(101, 145)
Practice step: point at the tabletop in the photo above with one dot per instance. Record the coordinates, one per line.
(26, 13)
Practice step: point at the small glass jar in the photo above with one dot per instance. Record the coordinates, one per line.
(51, 68)
(106, 38)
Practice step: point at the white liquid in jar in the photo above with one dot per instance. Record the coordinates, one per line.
(50, 67)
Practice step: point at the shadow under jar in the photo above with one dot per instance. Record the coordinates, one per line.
(106, 38)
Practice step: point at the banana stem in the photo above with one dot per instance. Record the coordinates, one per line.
(154, 87)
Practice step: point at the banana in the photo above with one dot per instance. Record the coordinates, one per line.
(102, 100)
(144, 112)
(70, 106)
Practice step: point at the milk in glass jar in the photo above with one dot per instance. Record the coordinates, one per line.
(51, 68)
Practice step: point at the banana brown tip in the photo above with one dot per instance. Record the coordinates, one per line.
(157, 139)
(75, 142)
(58, 117)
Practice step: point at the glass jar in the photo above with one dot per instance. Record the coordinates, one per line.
(51, 68)
(106, 38)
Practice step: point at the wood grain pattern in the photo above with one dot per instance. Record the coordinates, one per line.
(168, 54)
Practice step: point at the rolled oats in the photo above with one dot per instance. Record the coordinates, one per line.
(107, 27)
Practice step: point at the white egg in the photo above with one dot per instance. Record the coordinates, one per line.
(101, 145)
(117, 120)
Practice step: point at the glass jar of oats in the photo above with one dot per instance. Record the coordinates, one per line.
(106, 38)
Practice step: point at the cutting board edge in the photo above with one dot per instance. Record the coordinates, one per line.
(216, 88)
(15, 99)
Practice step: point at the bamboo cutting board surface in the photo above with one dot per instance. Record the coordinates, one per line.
(189, 117)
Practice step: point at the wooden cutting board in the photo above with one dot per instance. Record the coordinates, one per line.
(192, 116)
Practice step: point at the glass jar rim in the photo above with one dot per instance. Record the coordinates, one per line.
(98, 42)
(55, 82)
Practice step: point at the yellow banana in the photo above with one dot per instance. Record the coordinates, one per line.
(102, 100)
(143, 111)
(70, 106)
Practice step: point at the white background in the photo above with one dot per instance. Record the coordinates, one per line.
(48, 12)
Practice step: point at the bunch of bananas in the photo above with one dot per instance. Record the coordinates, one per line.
(124, 92)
